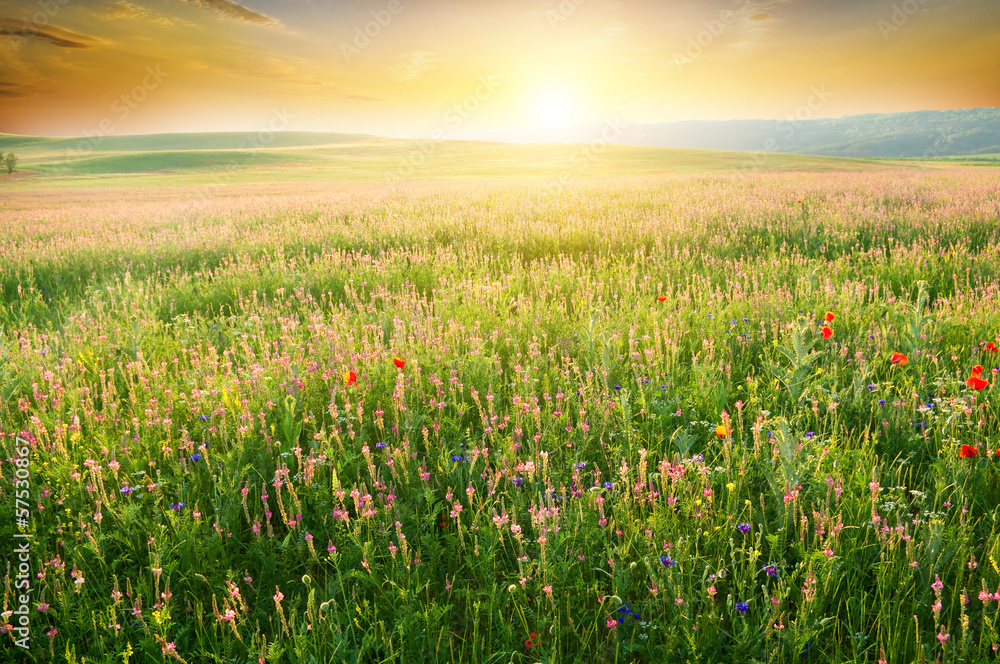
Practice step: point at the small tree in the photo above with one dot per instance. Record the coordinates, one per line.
(9, 162)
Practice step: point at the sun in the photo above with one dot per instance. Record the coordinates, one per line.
(555, 107)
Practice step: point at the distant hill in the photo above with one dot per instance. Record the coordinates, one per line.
(230, 140)
(215, 160)
(914, 135)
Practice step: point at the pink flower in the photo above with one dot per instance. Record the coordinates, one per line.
(612, 624)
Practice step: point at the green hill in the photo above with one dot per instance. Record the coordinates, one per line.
(232, 158)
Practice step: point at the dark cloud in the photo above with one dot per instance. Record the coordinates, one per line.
(19, 29)
(11, 90)
(236, 11)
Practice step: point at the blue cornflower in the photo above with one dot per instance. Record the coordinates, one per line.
(456, 457)
(127, 489)
(609, 485)
(871, 387)
(203, 417)
(663, 387)
(618, 387)
(627, 610)
(881, 402)
(195, 456)
(743, 527)
(771, 570)
(742, 607)
(518, 481)
(176, 506)
(808, 649)
(667, 561)
(810, 434)
(581, 465)
(381, 444)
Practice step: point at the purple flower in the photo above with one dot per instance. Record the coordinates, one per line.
(771, 570)
(176, 506)
(667, 561)
(742, 607)
(744, 527)
(195, 456)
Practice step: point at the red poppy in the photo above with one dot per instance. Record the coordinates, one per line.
(350, 378)
(827, 332)
(976, 370)
(900, 359)
(967, 452)
(991, 347)
(977, 383)
(829, 317)
(661, 298)
(531, 641)
(399, 362)
(799, 202)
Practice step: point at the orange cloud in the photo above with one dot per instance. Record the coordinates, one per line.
(25, 30)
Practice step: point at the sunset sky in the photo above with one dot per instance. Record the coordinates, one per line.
(70, 67)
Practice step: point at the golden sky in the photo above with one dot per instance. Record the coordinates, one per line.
(420, 67)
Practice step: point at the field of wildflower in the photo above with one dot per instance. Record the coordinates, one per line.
(740, 418)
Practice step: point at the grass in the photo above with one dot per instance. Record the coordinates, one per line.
(494, 422)
(217, 160)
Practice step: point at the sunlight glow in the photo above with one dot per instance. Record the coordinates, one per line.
(555, 107)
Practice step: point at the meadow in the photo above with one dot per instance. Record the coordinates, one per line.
(711, 417)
